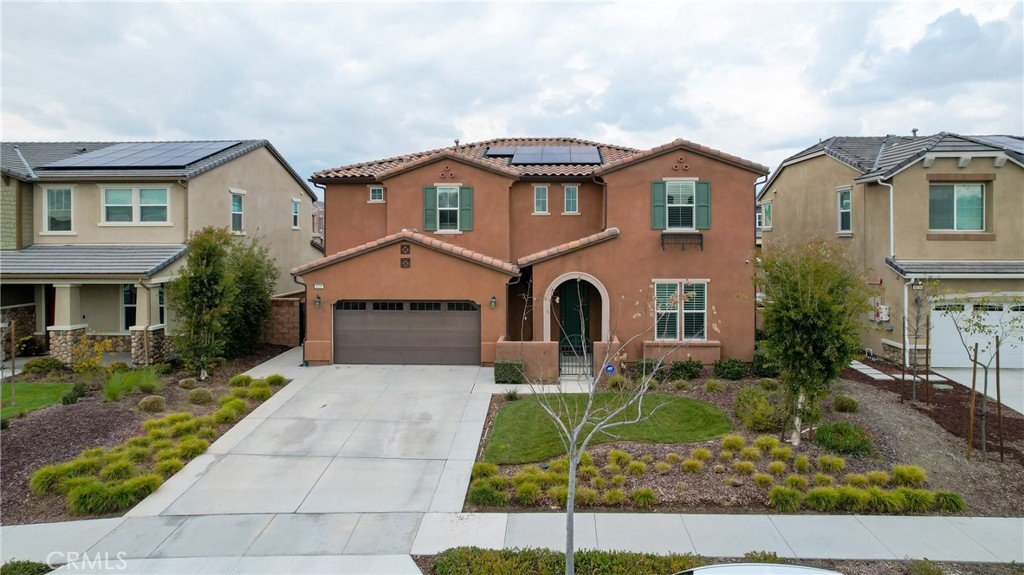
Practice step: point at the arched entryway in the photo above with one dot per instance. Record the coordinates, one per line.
(576, 313)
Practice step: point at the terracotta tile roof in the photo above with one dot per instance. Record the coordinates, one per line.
(680, 143)
(414, 237)
(603, 236)
(474, 152)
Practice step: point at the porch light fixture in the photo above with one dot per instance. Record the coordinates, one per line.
(316, 302)
(494, 302)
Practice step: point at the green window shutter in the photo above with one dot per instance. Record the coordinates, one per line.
(703, 203)
(429, 209)
(659, 199)
(465, 208)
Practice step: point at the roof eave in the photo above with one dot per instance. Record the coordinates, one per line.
(675, 145)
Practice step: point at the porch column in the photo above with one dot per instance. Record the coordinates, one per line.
(67, 317)
(147, 338)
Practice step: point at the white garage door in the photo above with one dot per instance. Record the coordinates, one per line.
(948, 351)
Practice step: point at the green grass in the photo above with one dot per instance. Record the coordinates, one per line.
(31, 396)
(523, 433)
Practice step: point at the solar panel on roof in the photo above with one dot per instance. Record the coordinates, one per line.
(145, 155)
(498, 151)
(551, 155)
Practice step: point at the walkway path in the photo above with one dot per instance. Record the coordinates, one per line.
(350, 469)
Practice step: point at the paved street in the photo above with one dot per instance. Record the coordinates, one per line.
(350, 469)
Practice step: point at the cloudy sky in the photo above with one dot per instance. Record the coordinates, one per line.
(331, 83)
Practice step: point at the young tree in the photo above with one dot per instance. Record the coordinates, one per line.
(986, 320)
(917, 314)
(255, 273)
(813, 305)
(200, 298)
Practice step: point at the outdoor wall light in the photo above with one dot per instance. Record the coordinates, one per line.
(494, 302)
(316, 302)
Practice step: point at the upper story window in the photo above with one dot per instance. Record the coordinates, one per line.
(956, 207)
(376, 193)
(845, 210)
(766, 215)
(58, 210)
(295, 214)
(134, 205)
(758, 217)
(237, 211)
(572, 199)
(681, 205)
(680, 310)
(447, 208)
(540, 199)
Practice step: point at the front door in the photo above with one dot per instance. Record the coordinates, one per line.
(574, 344)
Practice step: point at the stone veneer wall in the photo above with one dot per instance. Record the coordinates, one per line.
(9, 214)
(62, 342)
(158, 343)
(283, 328)
(119, 343)
(24, 320)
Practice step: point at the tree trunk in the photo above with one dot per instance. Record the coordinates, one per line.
(984, 414)
(795, 437)
(570, 505)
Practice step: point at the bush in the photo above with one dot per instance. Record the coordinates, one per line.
(483, 469)
(150, 385)
(153, 403)
(766, 443)
(700, 454)
(689, 369)
(275, 380)
(644, 498)
(509, 371)
(785, 499)
(733, 442)
(648, 367)
(636, 468)
(768, 384)
(714, 386)
(484, 494)
(821, 499)
(731, 369)
(798, 482)
(763, 365)
(843, 437)
(831, 464)
(924, 567)
(240, 392)
(69, 398)
(18, 567)
(693, 466)
(42, 365)
(949, 502)
(917, 500)
(763, 480)
(200, 396)
(760, 410)
(851, 499)
(750, 453)
(782, 453)
(617, 382)
(259, 393)
(527, 493)
(511, 395)
(163, 368)
(465, 560)
(845, 404)
(908, 476)
(776, 468)
(614, 497)
(187, 383)
(743, 467)
(619, 458)
(240, 380)
(168, 467)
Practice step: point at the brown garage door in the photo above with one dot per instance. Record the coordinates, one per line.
(411, 332)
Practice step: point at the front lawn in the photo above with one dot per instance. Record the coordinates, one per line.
(31, 396)
(523, 433)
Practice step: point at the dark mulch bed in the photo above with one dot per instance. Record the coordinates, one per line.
(60, 432)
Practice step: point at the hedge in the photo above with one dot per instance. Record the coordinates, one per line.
(509, 371)
(465, 560)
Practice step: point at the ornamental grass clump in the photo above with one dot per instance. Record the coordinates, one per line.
(617, 480)
(673, 458)
(856, 480)
(763, 480)
(851, 499)
(733, 442)
(483, 469)
(949, 502)
(200, 396)
(117, 471)
(785, 499)
(168, 467)
(831, 464)
(823, 480)
(661, 468)
(777, 468)
(878, 478)
(240, 380)
(917, 500)
(908, 476)
(693, 466)
(750, 453)
(822, 499)
(782, 453)
(644, 498)
(527, 493)
(275, 380)
(845, 404)
(483, 494)
(620, 458)
(882, 501)
(743, 467)
(766, 443)
(614, 497)
(636, 468)
(260, 393)
(192, 447)
(798, 482)
(802, 464)
(845, 438)
(701, 454)
(586, 496)
(559, 494)
(726, 455)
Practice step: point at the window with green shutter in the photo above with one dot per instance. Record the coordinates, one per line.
(447, 208)
(681, 205)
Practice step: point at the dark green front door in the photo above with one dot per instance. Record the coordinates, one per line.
(575, 314)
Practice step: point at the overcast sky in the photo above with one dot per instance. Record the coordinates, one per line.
(331, 84)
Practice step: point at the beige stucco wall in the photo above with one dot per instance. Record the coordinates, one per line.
(101, 307)
(267, 209)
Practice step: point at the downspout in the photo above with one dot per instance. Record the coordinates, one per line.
(604, 195)
(303, 342)
(892, 227)
(906, 324)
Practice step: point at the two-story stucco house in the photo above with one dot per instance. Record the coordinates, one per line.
(946, 208)
(535, 248)
(93, 230)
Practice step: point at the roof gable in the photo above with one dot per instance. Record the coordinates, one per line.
(680, 144)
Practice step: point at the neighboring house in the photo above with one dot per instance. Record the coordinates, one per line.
(944, 207)
(100, 227)
(318, 226)
(534, 249)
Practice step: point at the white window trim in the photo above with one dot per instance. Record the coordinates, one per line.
(693, 206)
(758, 216)
(370, 190)
(767, 215)
(547, 197)
(437, 201)
(839, 211)
(296, 215)
(565, 200)
(45, 231)
(680, 310)
(136, 206)
(231, 211)
(124, 306)
(984, 222)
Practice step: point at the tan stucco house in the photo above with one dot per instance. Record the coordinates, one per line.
(538, 249)
(911, 210)
(93, 230)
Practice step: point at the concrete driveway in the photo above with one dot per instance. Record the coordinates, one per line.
(1011, 383)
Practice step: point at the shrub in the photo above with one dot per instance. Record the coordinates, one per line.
(241, 392)
(484, 494)
(731, 369)
(117, 471)
(598, 482)
(559, 494)
(733, 442)
(619, 458)
(45, 479)
(750, 453)
(207, 433)
(761, 557)
(617, 382)
(587, 471)
(726, 455)
(192, 447)
(648, 367)
(743, 467)
(240, 380)
(908, 476)
(760, 410)
(689, 369)
(785, 499)
(511, 395)
(693, 466)
(636, 468)
(69, 398)
(150, 385)
(163, 368)
(275, 380)
(483, 469)
(822, 480)
(527, 493)
(618, 480)
(200, 396)
(612, 469)
(162, 444)
(700, 454)
(843, 437)
(821, 499)
(673, 458)
(585, 496)
(831, 463)
(183, 428)
(82, 466)
(878, 478)
(917, 500)
(187, 383)
(19, 567)
(763, 480)
(681, 384)
(782, 453)
(776, 468)
(559, 465)
(768, 384)
(949, 502)
(763, 365)
(845, 404)
(509, 371)
(802, 464)
(882, 501)
(796, 482)
(644, 498)
(153, 403)
(614, 497)
(766, 443)
(168, 467)
(924, 567)
(40, 365)
(464, 560)
(137, 454)
(851, 499)
(714, 386)
(167, 453)
(259, 393)
(856, 480)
